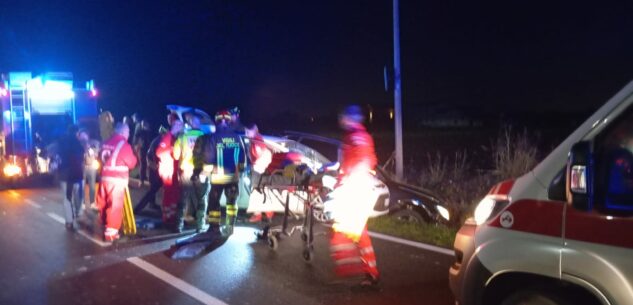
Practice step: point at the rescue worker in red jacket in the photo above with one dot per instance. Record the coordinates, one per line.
(167, 169)
(117, 159)
(352, 250)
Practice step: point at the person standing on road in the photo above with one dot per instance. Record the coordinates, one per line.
(350, 245)
(221, 157)
(260, 157)
(71, 175)
(142, 140)
(117, 158)
(167, 169)
(106, 125)
(183, 152)
(91, 165)
(155, 182)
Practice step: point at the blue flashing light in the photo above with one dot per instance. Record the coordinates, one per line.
(6, 115)
(50, 90)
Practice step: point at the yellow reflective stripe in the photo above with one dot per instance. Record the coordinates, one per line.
(215, 214)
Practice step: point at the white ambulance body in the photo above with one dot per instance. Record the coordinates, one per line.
(555, 235)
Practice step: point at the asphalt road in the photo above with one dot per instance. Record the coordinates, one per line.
(42, 263)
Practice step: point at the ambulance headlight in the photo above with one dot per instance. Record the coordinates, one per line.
(443, 212)
(489, 207)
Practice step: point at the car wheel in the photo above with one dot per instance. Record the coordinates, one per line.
(407, 215)
(533, 297)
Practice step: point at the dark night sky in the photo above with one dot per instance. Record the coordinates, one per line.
(310, 57)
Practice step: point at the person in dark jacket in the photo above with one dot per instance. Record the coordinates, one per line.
(219, 158)
(71, 175)
(154, 178)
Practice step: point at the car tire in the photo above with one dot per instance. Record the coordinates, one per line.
(533, 297)
(408, 215)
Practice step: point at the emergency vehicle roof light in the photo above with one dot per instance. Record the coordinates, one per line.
(50, 90)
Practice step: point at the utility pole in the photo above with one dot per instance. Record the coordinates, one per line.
(397, 94)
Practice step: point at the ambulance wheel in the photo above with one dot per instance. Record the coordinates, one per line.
(533, 297)
(307, 254)
(273, 242)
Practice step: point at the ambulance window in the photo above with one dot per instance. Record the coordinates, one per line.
(614, 166)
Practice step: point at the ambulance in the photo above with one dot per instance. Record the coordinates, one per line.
(563, 232)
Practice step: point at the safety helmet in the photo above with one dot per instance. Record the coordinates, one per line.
(223, 115)
(354, 113)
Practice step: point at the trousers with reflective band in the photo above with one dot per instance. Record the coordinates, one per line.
(110, 199)
(353, 258)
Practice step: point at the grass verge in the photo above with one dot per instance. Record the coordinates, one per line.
(438, 235)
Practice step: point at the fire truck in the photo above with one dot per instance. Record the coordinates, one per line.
(35, 112)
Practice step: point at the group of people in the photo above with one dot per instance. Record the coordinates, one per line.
(195, 167)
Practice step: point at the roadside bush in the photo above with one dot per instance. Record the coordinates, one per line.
(514, 154)
(453, 178)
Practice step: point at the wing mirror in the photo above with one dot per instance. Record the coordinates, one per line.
(579, 173)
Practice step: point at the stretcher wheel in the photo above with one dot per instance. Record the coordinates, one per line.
(307, 254)
(273, 242)
(304, 236)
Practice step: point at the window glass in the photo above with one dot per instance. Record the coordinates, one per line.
(614, 166)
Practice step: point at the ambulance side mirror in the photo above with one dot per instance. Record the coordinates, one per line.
(579, 173)
(557, 188)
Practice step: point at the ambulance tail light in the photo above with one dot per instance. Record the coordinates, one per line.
(489, 207)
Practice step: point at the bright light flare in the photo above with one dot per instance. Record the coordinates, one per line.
(94, 92)
(95, 164)
(11, 170)
(50, 90)
(484, 209)
(4, 92)
(352, 203)
(443, 212)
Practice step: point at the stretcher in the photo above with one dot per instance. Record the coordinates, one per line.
(299, 197)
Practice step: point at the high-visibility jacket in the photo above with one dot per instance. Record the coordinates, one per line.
(183, 149)
(224, 152)
(117, 159)
(358, 149)
(166, 162)
(260, 154)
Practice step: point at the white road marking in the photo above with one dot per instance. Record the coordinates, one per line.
(56, 217)
(412, 243)
(32, 203)
(177, 283)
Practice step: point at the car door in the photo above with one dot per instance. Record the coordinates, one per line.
(599, 241)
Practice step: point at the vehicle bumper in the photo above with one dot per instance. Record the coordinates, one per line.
(459, 274)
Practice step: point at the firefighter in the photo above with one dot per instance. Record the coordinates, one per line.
(350, 246)
(221, 156)
(117, 159)
(167, 169)
(183, 152)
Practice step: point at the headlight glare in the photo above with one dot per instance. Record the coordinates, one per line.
(484, 210)
(443, 212)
